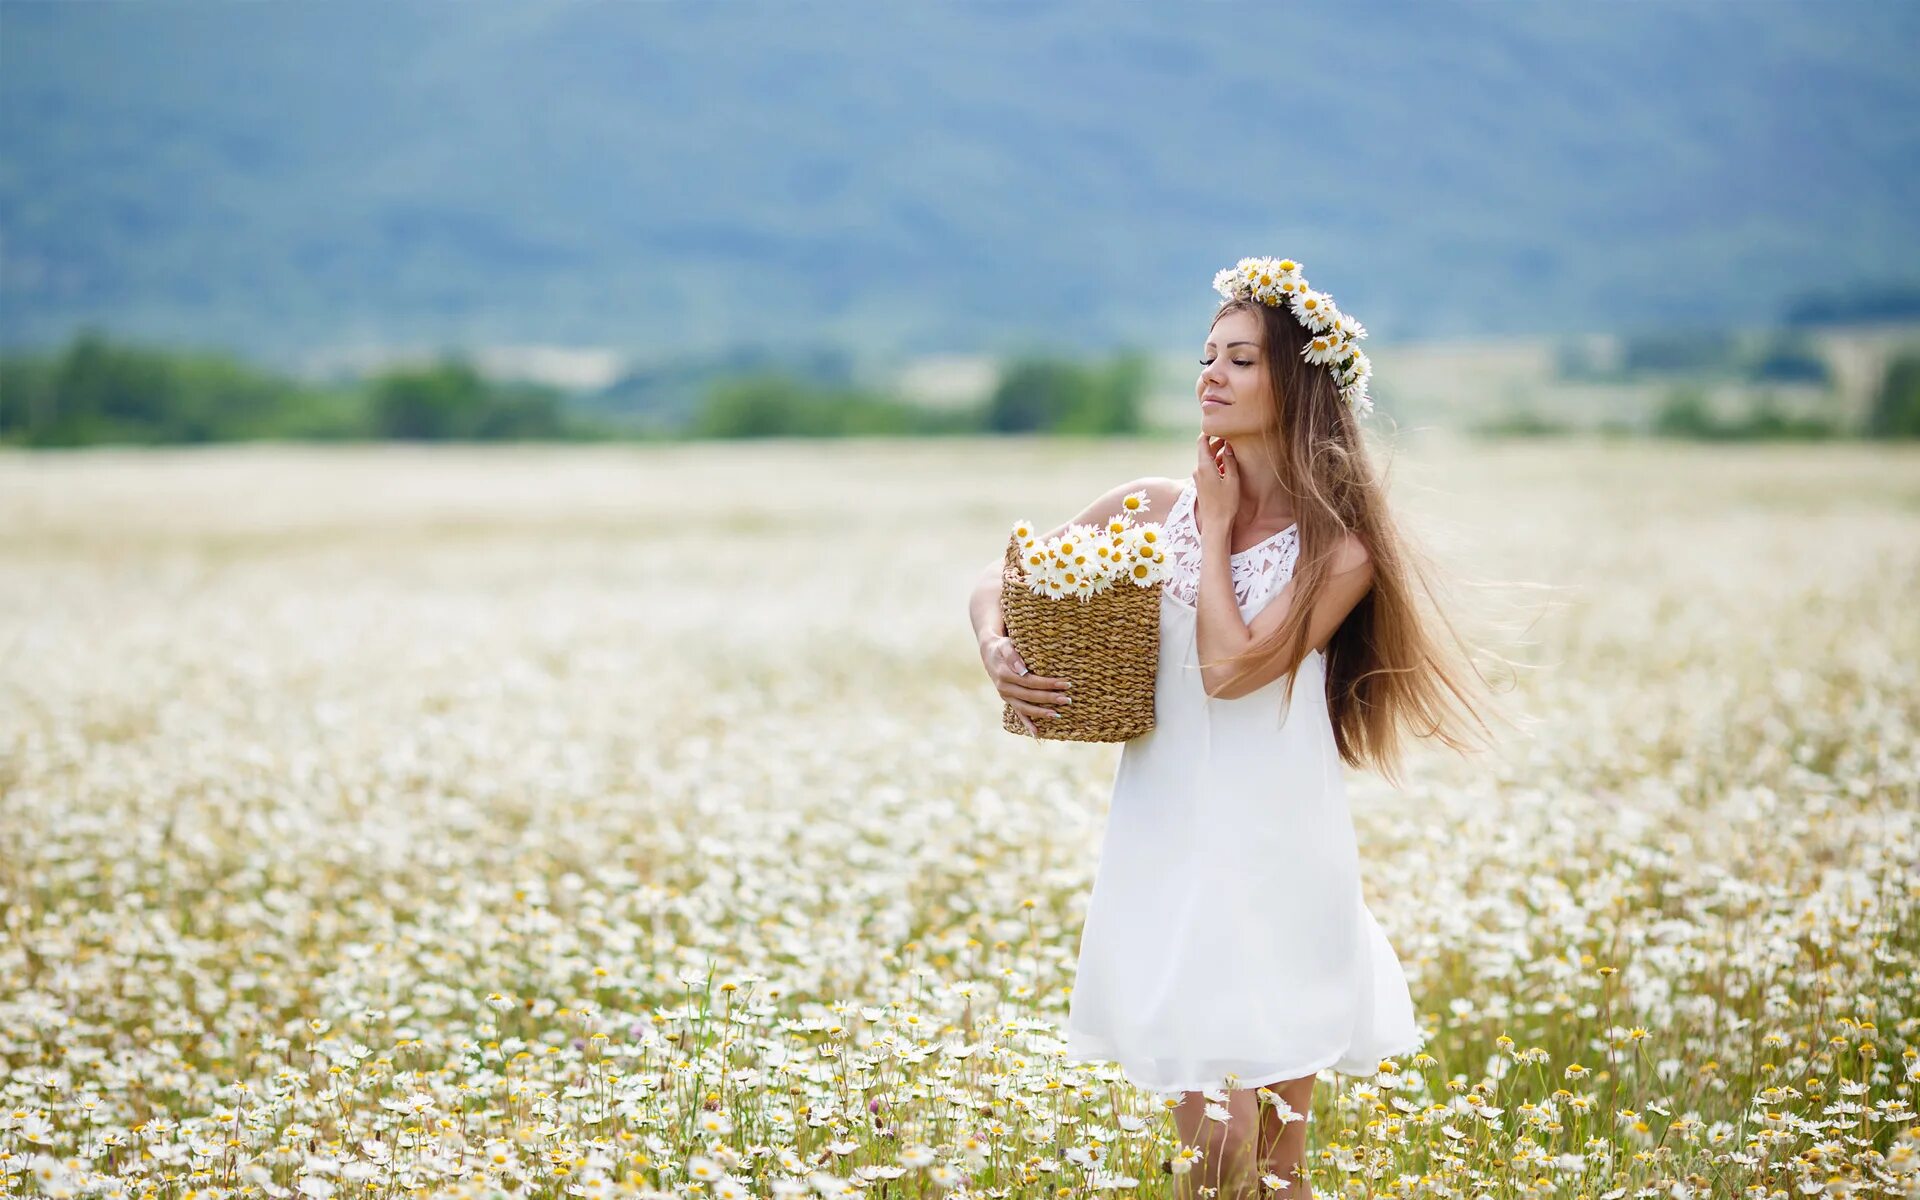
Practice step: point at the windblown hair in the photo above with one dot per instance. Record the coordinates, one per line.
(1385, 668)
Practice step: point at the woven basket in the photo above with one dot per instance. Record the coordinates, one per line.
(1108, 646)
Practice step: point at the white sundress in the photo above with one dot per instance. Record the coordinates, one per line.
(1226, 931)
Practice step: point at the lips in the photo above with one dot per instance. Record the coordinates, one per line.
(1210, 397)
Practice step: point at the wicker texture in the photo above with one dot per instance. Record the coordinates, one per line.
(1108, 646)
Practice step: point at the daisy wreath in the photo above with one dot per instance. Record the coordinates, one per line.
(1336, 336)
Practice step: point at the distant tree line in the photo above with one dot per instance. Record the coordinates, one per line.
(1034, 395)
(1893, 413)
(1684, 412)
(97, 391)
(771, 403)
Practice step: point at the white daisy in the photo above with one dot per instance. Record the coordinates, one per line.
(1314, 309)
(1076, 552)
(1358, 370)
(1322, 348)
(1265, 280)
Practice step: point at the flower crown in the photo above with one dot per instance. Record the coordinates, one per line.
(1336, 336)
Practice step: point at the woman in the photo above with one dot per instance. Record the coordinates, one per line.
(1226, 943)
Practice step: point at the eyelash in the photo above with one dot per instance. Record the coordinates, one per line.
(1207, 362)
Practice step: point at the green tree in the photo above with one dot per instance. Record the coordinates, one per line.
(1896, 406)
(445, 400)
(1034, 395)
(761, 404)
(1684, 413)
(1110, 398)
(1050, 395)
(28, 405)
(94, 391)
(522, 411)
(774, 404)
(104, 392)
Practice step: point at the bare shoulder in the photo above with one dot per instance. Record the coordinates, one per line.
(1161, 492)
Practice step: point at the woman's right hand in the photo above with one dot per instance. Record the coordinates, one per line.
(1030, 695)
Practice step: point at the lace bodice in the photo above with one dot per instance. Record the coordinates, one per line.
(1258, 571)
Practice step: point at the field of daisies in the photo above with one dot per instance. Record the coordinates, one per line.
(388, 822)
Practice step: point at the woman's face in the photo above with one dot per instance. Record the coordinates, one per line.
(1233, 389)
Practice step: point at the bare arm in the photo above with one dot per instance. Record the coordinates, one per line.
(984, 608)
(1221, 631)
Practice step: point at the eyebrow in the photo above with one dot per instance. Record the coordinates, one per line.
(1231, 345)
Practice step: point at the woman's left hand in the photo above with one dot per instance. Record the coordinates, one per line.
(1218, 483)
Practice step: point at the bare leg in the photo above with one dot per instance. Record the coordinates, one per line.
(1229, 1163)
(1282, 1146)
(1204, 1134)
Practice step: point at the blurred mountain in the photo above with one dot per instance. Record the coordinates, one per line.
(665, 178)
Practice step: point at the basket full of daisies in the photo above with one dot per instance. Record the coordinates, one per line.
(1085, 605)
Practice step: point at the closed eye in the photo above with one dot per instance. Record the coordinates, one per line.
(1238, 362)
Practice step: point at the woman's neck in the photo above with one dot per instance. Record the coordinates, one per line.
(1264, 499)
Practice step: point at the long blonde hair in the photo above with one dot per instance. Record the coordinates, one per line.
(1384, 667)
